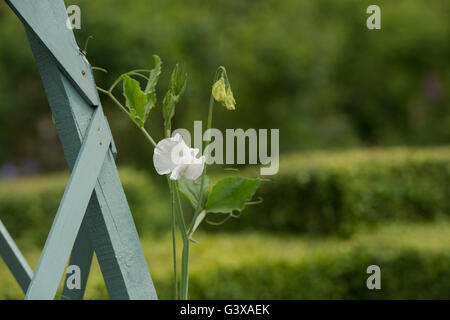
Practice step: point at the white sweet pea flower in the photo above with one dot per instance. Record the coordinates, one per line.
(172, 155)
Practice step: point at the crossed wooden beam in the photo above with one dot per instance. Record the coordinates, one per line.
(93, 214)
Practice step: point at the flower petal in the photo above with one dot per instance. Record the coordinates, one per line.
(178, 171)
(193, 171)
(172, 155)
(162, 156)
(181, 153)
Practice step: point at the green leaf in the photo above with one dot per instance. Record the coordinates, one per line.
(150, 87)
(135, 98)
(191, 189)
(151, 103)
(231, 194)
(197, 222)
(176, 89)
(154, 75)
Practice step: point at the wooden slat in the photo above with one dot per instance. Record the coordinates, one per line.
(47, 19)
(81, 256)
(71, 210)
(111, 227)
(14, 259)
(112, 230)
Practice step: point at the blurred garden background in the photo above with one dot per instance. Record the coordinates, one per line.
(364, 119)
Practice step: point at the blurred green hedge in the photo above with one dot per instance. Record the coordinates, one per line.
(310, 68)
(317, 193)
(331, 193)
(414, 261)
(28, 205)
(406, 274)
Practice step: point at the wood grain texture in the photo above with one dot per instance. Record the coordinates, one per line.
(14, 259)
(108, 218)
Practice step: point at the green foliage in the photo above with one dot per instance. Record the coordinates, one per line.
(192, 189)
(137, 102)
(226, 195)
(339, 192)
(410, 275)
(320, 193)
(30, 202)
(414, 261)
(177, 85)
(310, 68)
(230, 194)
(153, 77)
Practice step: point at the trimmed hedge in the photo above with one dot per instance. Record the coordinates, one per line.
(28, 205)
(318, 193)
(407, 274)
(329, 193)
(414, 262)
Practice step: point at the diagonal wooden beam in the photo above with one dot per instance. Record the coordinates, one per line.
(14, 259)
(112, 231)
(81, 256)
(71, 210)
(47, 19)
(108, 218)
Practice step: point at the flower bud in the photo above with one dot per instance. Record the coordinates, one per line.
(218, 90)
(229, 102)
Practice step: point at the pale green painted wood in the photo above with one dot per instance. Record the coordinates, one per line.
(14, 259)
(108, 217)
(71, 210)
(81, 256)
(113, 145)
(110, 223)
(47, 19)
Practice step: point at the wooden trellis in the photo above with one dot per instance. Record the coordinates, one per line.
(93, 214)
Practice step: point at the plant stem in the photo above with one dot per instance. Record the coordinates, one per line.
(185, 270)
(146, 134)
(174, 246)
(115, 83)
(185, 253)
(208, 138)
(174, 240)
(178, 212)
